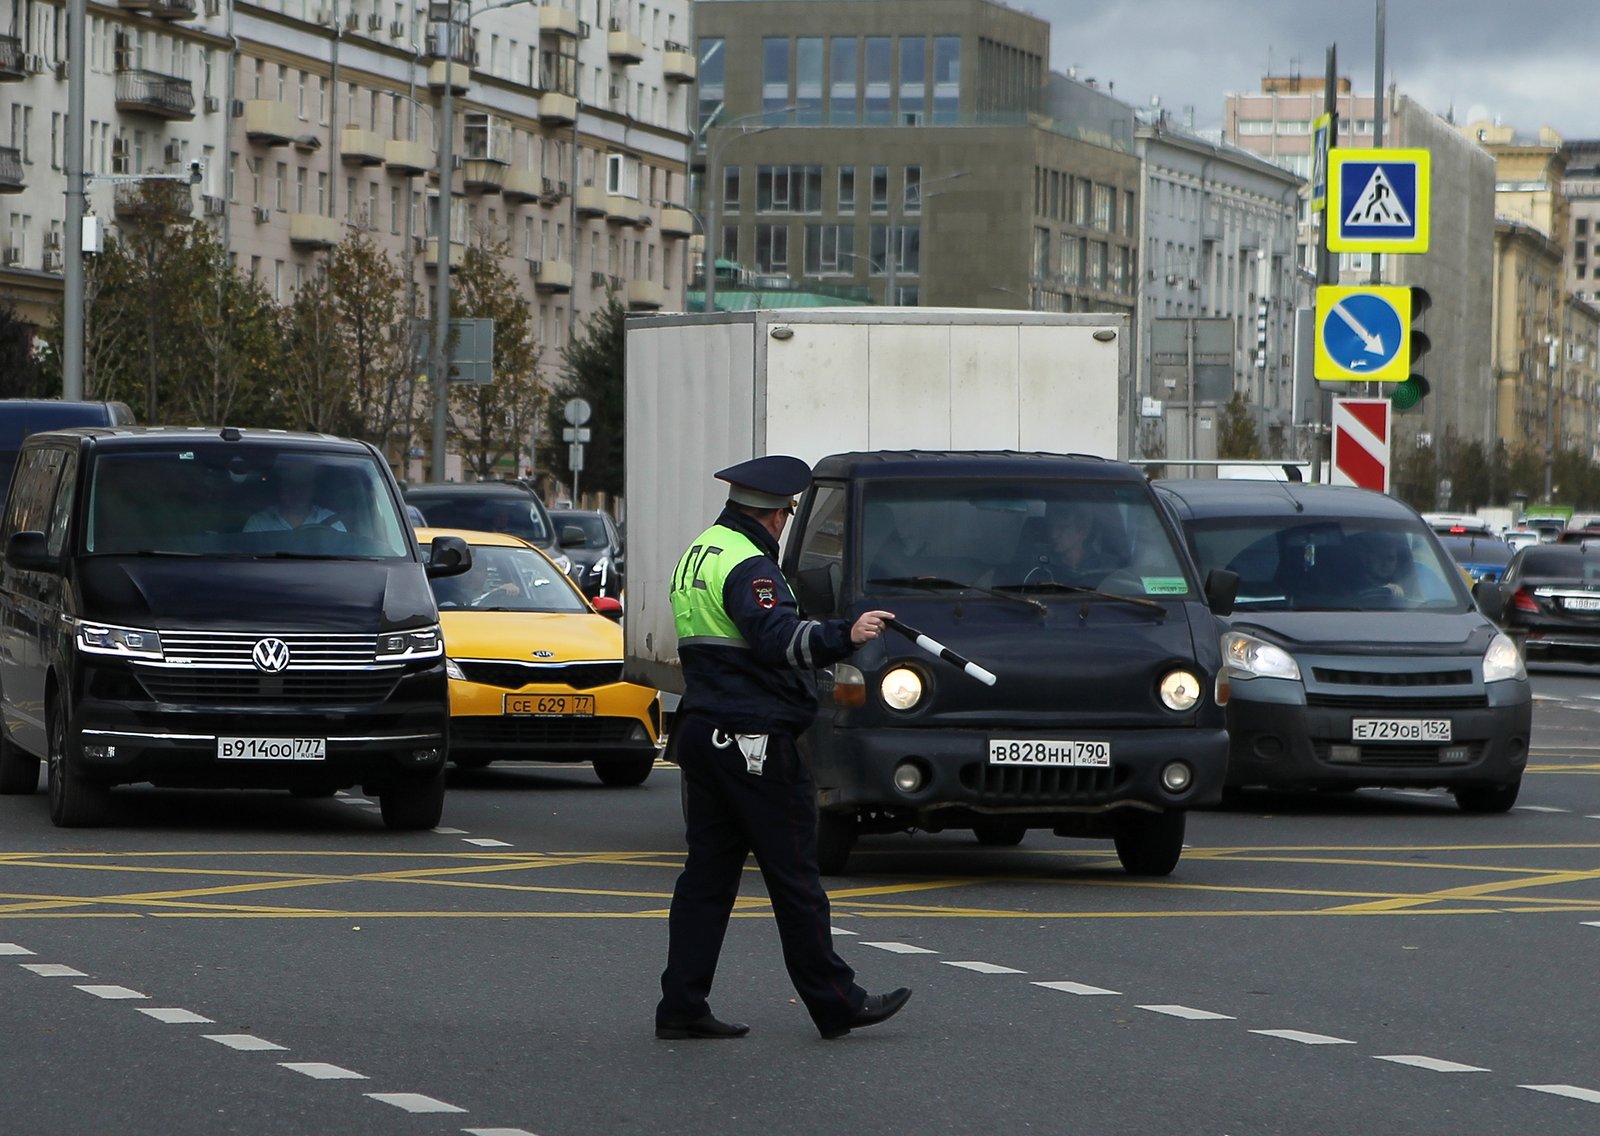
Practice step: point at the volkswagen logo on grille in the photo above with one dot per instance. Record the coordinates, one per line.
(270, 655)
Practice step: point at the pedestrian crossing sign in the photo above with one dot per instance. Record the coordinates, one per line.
(1378, 200)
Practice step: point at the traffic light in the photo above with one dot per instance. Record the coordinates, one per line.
(1414, 387)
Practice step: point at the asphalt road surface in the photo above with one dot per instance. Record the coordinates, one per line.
(1364, 963)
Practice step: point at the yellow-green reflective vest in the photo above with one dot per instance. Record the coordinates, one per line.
(697, 610)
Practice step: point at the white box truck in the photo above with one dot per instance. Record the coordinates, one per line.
(706, 391)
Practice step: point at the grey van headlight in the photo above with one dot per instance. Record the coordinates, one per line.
(1180, 690)
(1502, 661)
(418, 643)
(901, 688)
(107, 639)
(1246, 657)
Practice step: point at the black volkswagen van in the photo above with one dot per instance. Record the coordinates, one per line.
(218, 608)
(1062, 576)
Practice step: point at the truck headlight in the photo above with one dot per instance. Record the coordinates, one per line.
(108, 639)
(1502, 661)
(1180, 690)
(418, 643)
(901, 688)
(1247, 657)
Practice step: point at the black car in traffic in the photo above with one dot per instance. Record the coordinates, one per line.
(1552, 606)
(490, 506)
(590, 538)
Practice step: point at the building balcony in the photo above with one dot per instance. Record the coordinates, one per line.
(11, 170)
(268, 122)
(557, 109)
(170, 9)
(156, 202)
(558, 22)
(359, 147)
(482, 175)
(678, 64)
(314, 231)
(408, 158)
(154, 94)
(624, 210)
(520, 186)
(624, 47)
(134, 5)
(552, 276)
(459, 76)
(590, 201)
(11, 68)
(430, 254)
(676, 223)
(645, 295)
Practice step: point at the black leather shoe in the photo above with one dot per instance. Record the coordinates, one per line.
(877, 1008)
(708, 1027)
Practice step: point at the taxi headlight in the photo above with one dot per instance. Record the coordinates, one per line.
(107, 639)
(453, 669)
(901, 688)
(1502, 661)
(418, 643)
(1180, 690)
(1247, 657)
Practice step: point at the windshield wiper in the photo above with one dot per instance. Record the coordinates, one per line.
(1084, 589)
(940, 584)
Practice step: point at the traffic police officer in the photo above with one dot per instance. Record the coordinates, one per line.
(747, 660)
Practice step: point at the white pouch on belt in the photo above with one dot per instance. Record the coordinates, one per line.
(754, 748)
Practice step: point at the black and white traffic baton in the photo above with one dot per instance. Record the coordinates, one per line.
(934, 647)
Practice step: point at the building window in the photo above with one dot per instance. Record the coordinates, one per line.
(1097, 265)
(730, 189)
(880, 189)
(842, 82)
(1105, 208)
(808, 80)
(772, 248)
(788, 189)
(847, 189)
(880, 61)
(1041, 252)
(911, 198)
(1081, 191)
(946, 80)
(774, 73)
(913, 81)
(830, 250)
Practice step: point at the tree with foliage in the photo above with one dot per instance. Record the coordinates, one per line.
(20, 374)
(1236, 431)
(317, 372)
(593, 371)
(375, 303)
(492, 422)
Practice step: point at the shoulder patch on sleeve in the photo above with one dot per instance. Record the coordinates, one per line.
(765, 591)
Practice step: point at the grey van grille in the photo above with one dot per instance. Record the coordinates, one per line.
(231, 649)
(188, 686)
(1012, 785)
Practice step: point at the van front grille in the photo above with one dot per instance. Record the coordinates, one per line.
(213, 688)
(1016, 785)
(233, 648)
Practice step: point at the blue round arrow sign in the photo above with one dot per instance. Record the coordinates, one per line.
(1361, 333)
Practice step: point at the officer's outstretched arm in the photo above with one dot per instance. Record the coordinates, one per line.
(758, 600)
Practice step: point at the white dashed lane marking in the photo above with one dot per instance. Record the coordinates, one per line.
(13, 949)
(414, 1102)
(840, 931)
(1189, 1013)
(1572, 1091)
(243, 1041)
(111, 992)
(451, 831)
(1076, 988)
(1305, 1038)
(1540, 809)
(176, 1017)
(900, 948)
(497, 1132)
(53, 970)
(984, 967)
(322, 1071)
(486, 842)
(1433, 1064)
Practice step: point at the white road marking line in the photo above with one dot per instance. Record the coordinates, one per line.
(53, 970)
(485, 842)
(174, 1016)
(243, 1041)
(322, 1071)
(13, 949)
(1540, 809)
(354, 801)
(1075, 988)
(901, 948)
(111, 992)
(1305, 1038)
(983, 967)
(1189, 1013)
(1433, 1064)
(414, 1102)
(840, 931)
(1572, 1091)
(497, 1132)
(451, 831)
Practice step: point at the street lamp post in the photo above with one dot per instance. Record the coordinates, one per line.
(72, 267)
(714, 142)
(891, 251)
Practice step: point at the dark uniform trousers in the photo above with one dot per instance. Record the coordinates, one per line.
(730, 812)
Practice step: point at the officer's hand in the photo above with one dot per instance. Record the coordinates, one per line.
(869, 626)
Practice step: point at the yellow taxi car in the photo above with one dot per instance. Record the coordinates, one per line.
(535, 668)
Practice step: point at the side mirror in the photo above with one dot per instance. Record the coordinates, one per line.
(1222, 588)
(572, 536)
(608, 606)
(26, 550)
(1485, 593)
(448, 556)
(816, 590)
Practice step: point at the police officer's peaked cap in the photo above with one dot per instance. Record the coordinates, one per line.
(771, 482)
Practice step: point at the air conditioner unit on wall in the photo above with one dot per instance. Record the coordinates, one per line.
(14, 255)
(54, 260)
(352, 20)
(212, 104)
(397, 30)
(375, 22)
(33, 64)
(536, 266)
(172, 152)
(262, 214)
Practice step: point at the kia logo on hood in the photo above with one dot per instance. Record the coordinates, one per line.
(270, 655)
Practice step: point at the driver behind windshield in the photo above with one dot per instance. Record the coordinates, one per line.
(294, 485)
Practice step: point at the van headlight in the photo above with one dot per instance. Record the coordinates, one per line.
(1246, 657)
(901, 688)
(108, 639)
(418, 643)
(1502, 661)
(1180, 690)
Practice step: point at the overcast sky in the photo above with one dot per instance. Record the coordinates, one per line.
(1529, 63)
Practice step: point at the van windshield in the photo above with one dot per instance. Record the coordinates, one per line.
(1026, 537)
(1329, 564)
(221, 500)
